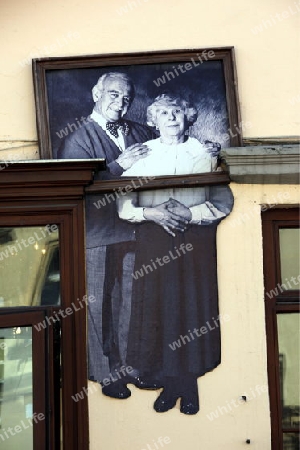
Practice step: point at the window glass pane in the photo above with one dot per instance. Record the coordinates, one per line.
(289, 343)
(289, 257)
(291, 441)
(29, 266)
(16, 430)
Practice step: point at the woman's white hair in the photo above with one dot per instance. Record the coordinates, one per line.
(190, 111)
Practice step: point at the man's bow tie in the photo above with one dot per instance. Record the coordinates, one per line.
(113, 127)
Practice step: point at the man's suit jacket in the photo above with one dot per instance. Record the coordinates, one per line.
(103, 225)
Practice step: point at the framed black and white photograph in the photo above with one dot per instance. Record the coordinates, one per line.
(204, 77)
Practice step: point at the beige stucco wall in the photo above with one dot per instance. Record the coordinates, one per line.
(267, 64)
(268, 74)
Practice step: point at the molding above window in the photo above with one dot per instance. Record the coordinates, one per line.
(42, 178)
(266, 164)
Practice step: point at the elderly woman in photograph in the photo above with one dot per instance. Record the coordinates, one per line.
(175, 291)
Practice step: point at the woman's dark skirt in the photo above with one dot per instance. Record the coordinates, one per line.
(174, 326)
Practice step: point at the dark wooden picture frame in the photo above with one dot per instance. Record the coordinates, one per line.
(207, 77)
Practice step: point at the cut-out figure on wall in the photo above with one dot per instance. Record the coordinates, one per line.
(174, 289)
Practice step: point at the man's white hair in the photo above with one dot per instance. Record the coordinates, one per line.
(114, 76)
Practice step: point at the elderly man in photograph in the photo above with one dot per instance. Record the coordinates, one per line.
(106, 134)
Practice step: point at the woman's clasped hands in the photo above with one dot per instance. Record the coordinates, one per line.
(171, 215)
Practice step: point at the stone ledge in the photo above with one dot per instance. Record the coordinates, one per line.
(268, 164)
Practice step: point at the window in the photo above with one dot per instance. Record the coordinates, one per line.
(42, 272)
(281, 235)
(22, 381)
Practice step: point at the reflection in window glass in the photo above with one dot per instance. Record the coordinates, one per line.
(291, 441)
(289, 353)
(289, 241)
(16, 414)
(29, 266)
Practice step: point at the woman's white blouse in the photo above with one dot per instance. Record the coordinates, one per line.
(176, 159)
(186, 158)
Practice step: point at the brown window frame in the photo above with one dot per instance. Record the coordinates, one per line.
(284, 302)
(30, 318)
(41, 193)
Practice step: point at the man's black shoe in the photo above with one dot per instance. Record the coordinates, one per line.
(116, 390)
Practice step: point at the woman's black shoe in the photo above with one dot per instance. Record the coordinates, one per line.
(189, 406)
(165, 401)
(189, 395)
